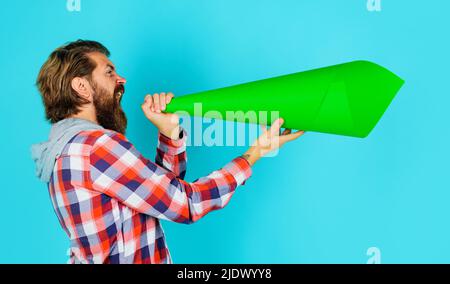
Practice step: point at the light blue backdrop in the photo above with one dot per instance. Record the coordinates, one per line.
(324, 198)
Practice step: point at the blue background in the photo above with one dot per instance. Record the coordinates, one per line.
(324, 198)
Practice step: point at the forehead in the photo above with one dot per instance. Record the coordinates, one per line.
(100, 59)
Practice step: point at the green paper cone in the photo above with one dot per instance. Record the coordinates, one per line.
(345, 99)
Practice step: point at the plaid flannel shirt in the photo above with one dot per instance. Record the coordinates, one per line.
(109, 198)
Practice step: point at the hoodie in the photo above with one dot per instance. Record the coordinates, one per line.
(44, 154)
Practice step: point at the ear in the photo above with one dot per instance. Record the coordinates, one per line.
(82, 87)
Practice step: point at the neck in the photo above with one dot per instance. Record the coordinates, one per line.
(87, 114)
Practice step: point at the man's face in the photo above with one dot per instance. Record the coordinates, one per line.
(108, 89)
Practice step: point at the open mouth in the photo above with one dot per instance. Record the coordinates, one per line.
(120, 90)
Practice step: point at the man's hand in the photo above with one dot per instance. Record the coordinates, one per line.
(269, 141)
(167, 123)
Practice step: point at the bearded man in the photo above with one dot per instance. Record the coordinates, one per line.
(108, 197)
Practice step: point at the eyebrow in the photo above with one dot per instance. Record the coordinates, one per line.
(110, 66)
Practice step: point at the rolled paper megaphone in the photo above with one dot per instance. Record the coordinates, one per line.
(346, 99)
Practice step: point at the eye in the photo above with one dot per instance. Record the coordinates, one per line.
(110, 72)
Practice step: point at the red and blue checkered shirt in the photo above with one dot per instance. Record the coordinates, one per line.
(109, 198)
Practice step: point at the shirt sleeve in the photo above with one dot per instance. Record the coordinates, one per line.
(171, 154)
(119, 170)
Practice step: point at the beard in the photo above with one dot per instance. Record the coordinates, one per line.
(110, 114)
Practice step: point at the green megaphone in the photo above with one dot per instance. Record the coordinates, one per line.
(346, 99)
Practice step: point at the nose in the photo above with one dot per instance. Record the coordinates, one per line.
(121, 80)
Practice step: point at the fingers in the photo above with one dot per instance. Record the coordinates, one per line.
(292, 136)
(275, 128)
(147, 104)
(263, 128)
(162, 101)
(151, 103)
(148, 100)
(156, 103)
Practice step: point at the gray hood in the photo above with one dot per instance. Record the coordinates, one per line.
(44, 154)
